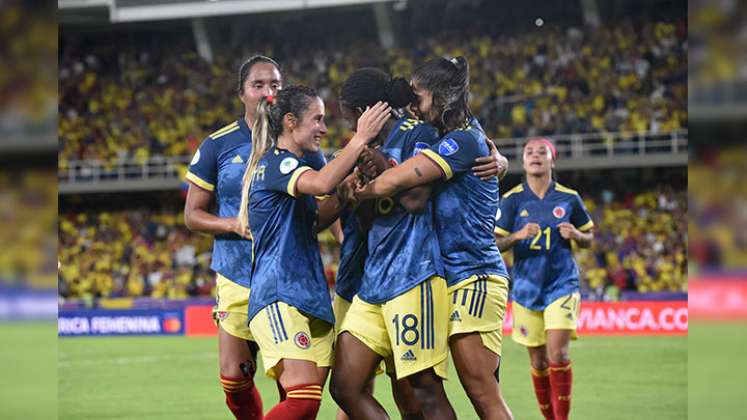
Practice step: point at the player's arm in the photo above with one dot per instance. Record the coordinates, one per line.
(487, 167)
(197, 218)
(323, 181)
(506, 242)
(582, 238)
(329, 210)
(581, 227)
(417, 171)
(413, 200)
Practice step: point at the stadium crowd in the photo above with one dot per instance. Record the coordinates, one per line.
(626, 78)
(640, 246)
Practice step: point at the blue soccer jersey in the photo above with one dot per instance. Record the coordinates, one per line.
(465, 207)
(544, 269)
(402, 247)
(353, 253)
(287, 264)
(218, 166)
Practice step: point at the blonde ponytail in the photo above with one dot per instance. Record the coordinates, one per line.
(261, 142)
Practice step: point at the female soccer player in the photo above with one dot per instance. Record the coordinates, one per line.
(465, 209)
(215, 174)
(392, 315)
(290, 311)
(539, 218)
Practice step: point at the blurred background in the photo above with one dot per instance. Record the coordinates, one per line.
(717, 96)
(142, 83)
(619, 85)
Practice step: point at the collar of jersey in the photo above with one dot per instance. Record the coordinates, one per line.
(244, 127)
(550, 189)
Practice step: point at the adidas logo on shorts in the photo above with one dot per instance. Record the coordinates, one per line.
(408, 356)
(455, 317)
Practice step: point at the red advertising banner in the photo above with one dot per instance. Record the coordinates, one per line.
(596, 318)
(718, 299)
(627, 318)
(199, 320)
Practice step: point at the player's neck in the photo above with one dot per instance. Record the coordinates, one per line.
(287, 143)
(539, 184)
(249, 119)
(384, 132)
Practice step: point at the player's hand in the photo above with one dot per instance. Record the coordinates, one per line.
(371, 162)
(346, 190)
(528, 231)
(489, 166)
(235, 227)
(371, 122)
(568, 231)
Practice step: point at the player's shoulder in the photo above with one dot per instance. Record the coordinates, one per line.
(565, 190)
(225, 131)
(281, 160)
(515, 191)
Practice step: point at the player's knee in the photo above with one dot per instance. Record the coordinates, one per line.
(340, 390)
(237, 368)
(559, 355)
(425, 386)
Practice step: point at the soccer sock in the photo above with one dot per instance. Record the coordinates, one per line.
(302, 403)
(543, 390)
(561, 378)
(242, 398)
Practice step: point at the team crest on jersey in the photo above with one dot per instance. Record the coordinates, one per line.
(393, 162)
(196, 158)
(221, 315)
(419, 147)
(287, 165)
(558, 212)
(448, 147)
(302, 340)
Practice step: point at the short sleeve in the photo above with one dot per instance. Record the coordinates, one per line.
(454, 154)
(203, 169)
(282, 173)
(423, 137)
(580, 217)
(504, 219)
(315, 160)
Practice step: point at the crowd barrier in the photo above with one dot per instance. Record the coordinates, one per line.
(595, 318)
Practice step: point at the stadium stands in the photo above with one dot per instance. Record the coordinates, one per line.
(640, 246)
(626, 78)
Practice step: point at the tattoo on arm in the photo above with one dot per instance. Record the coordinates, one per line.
(417, 171)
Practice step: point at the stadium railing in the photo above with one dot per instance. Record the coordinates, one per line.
(577, 151)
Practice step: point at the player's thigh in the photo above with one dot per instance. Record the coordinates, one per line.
(283, 332)
(562, 314)
(474, 362)
(355, 363)
(478, 305)
(236, 358)
(417, 326)
(528, 326)
(231, 308)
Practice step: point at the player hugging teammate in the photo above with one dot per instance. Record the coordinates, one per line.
(420, 273)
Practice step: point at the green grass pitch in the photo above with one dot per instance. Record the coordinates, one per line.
(176, 377)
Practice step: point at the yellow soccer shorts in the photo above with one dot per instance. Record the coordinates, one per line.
(232, 308)
(529, 327)
(478, 305)
(409, 330)
(284, 332)
(340, 307)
